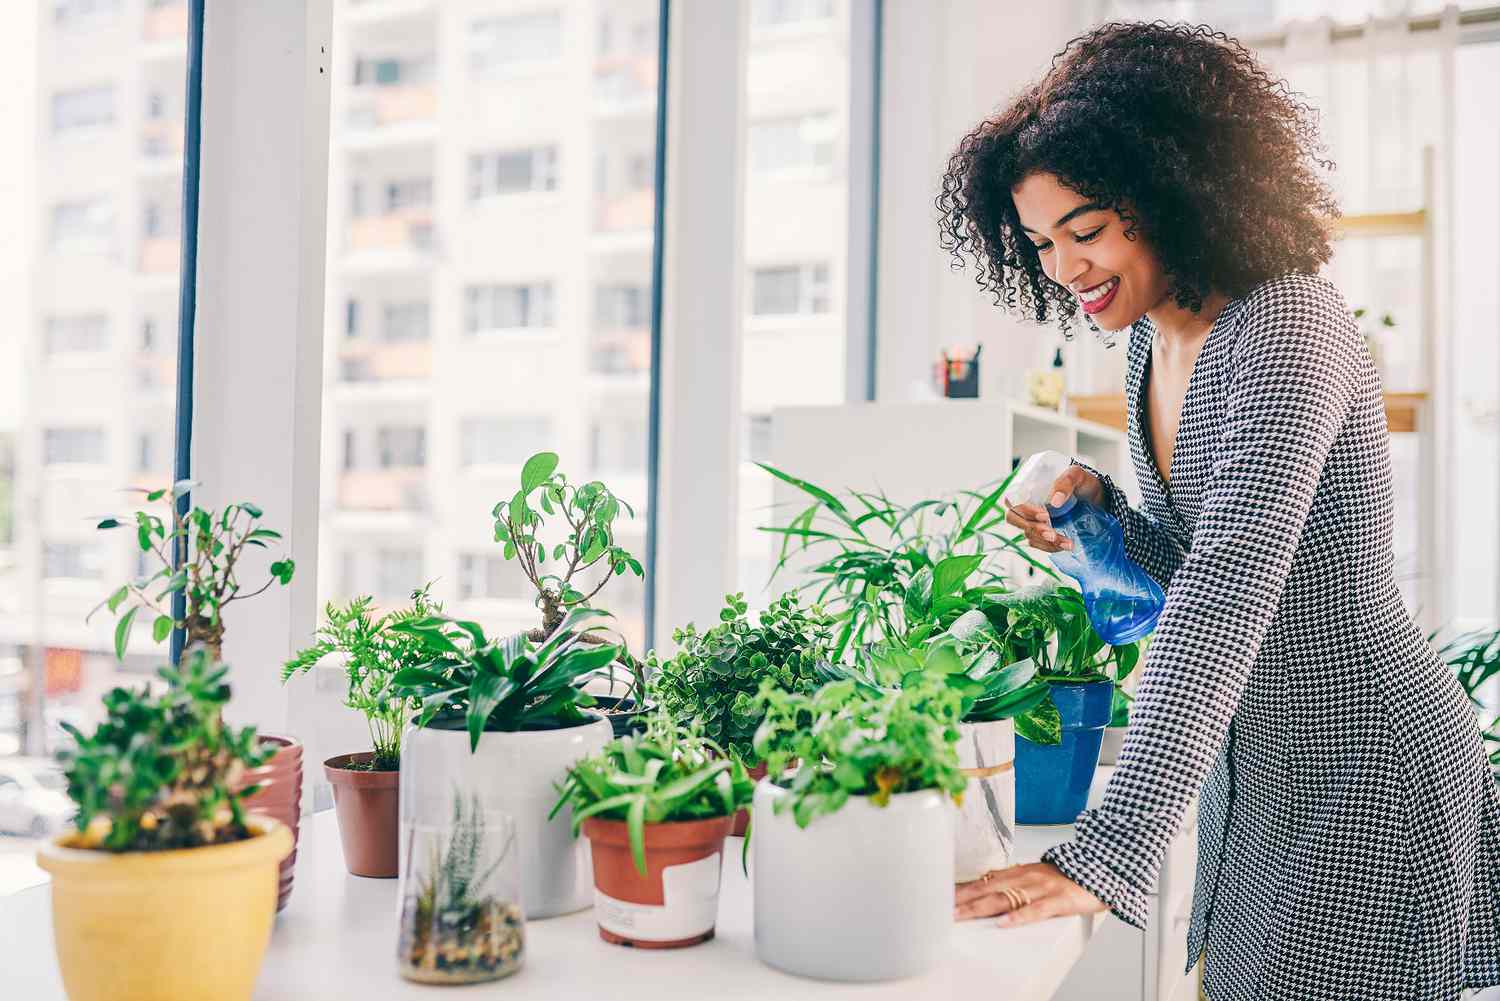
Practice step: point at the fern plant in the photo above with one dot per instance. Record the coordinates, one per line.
(374, 652)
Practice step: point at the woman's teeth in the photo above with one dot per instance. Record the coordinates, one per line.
(1098, 291)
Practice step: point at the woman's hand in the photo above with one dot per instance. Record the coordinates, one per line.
(1033, 520)
(1023, 894)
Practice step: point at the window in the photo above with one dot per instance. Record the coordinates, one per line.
(156, 105)
(499, 44)
(71, 560)
(512, 171)
(790, 291)
(406, 321)
(83, 226)
(67, 13)
(82, 109)
(398, 572)
(349, 460)
(774, 13)
(502, 441)
(618, 306)
(87, 333)
(402, 447)
(148, 334)
(491, 576)
(145, 453)
(391, 71)
(618, 445)
(800, 142)
(507, 307)
(61, 446)
(412, 192)
(351, 318)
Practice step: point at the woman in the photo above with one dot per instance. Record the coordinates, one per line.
(1349, 841)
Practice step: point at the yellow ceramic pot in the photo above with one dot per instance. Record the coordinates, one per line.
(165, 926)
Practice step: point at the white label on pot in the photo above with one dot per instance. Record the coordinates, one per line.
(691, 903)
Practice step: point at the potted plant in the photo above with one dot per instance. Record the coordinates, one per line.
(526, 700)
(852, 851)
(584, 558)
(656, 808)
(715, 675)
(167, 888)
(461, 920)
(366, 783)
(192, 561)
(1475, 658)
(1057, 754)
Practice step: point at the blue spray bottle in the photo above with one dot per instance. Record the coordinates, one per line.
(1122, 600)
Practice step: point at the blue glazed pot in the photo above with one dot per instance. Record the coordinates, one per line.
(1052, 780)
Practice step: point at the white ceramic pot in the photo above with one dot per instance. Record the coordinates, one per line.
(985, 830)
(517, 773)
(1111, 745)
(862, 894)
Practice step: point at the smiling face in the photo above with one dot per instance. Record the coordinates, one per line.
(1083, 248)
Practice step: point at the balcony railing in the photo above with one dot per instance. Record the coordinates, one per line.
(408, 229)
(383, 490)
(634, 210)
(377, 107)
(624, 79)
(365, 363)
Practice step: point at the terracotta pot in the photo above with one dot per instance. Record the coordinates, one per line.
(369, 807)
(676, 903)
(742, 817)
(279, 797)
(177, 925)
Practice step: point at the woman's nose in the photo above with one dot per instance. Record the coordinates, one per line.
(1069, 268)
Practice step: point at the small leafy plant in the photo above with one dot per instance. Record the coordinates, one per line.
(588, 511)
(715, 675)
(849, 740)
(510, 684)
(210, 544)
(161, 771)
(1475, 657)
(374, 652)
(671, 772)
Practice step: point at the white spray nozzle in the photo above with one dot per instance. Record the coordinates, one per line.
(1034, 480)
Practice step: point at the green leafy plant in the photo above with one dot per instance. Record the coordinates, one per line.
(374, 652)
(715, 675)
(846, 740)
(161, 770)
(1475, 658)
(210, 545)
(509, 684)
(670, 772)
(588, 511)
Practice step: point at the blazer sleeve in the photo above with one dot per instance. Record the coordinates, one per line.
(1293, 371)
(1153, 548)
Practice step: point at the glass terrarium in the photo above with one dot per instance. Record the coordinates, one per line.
(461, 918)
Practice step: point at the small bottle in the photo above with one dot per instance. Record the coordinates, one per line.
(1122, 600)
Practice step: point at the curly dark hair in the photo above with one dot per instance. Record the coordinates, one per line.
(1176, 128)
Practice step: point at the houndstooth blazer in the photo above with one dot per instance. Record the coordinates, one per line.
(1349, 825)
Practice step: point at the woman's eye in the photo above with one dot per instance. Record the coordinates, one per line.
(1042, 248)
(1090, 236)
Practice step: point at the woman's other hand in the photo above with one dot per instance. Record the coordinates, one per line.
(1023, 894)
(1033, 520)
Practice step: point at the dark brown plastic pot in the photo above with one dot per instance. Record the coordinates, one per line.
(667, 845)
(368, 804)
(280, 797)
(742, 817)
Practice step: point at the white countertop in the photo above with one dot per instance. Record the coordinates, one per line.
(337, 938)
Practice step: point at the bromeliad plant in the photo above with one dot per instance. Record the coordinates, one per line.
(669, 773)
(374, 652)
(715, 675)
(504, 684)
(210, 544)
(846, 740)
(589, 511)
(161, 771)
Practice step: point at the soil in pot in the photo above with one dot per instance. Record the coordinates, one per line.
(279, 797)
(368, 804)
(624, 718)
(676, 902)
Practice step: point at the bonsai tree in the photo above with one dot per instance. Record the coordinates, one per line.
(161, 771)
(715, 675)
(669, 773)
(583, 547)
(846, 740)
(374, 652)
(511, 684)
(210, 545)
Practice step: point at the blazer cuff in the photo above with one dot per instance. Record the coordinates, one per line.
(1092, 869)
